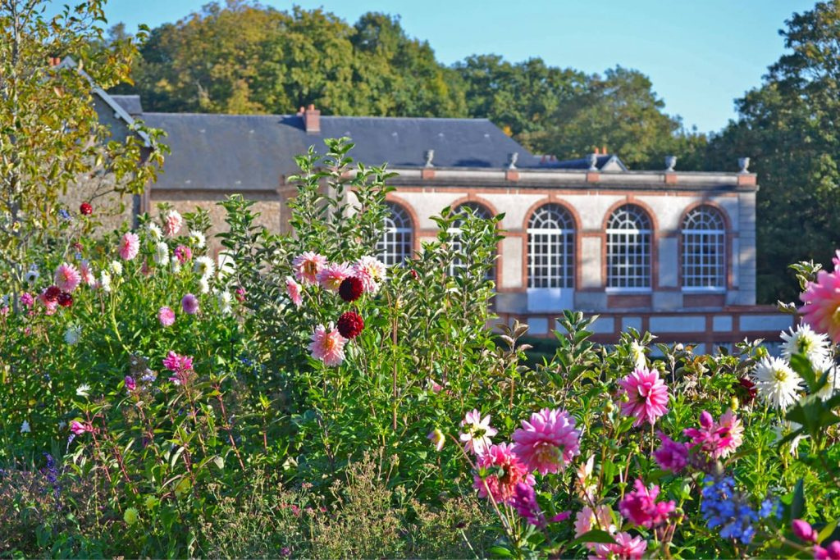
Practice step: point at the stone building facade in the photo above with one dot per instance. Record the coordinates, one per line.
(667, 251)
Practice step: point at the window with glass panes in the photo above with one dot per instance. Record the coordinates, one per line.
(551, 248)
(397, 242)
(629, 234)
(704, 249)
(479, 211)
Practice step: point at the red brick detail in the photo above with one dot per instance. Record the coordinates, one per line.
(427, 173)
(593, 177)
(512, 175)
(704, 300)
(746, 180)
(629, 301)
(670, 178)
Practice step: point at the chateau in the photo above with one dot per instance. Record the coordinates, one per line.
(667, 251)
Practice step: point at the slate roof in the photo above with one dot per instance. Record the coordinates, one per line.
(582, 163)
(131, 104)
(210, 151)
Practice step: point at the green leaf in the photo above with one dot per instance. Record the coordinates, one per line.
(593, 536)
(797, 506)
(500, 552)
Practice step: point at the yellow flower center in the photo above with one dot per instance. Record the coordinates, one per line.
(780, 375)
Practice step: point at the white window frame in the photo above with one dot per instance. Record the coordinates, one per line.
(703, 236)
(629, 237)
(551, 248)
(397, 242)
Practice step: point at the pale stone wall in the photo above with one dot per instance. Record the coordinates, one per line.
(268, 206)
(111, 209)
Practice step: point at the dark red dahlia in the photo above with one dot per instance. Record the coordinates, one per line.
(85, 209)
(745, 390)
(350, 324)
(414, 274)
(51, 294)
(65, 299)
(351, 289)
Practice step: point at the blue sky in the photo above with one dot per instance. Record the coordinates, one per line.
(700, 54)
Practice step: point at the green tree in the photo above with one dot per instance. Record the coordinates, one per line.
(50, 135)
(788, 127)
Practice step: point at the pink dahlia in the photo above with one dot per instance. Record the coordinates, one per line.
(647, 394)
(503, 471)
(332, 275)
(626, 547)
(328, 345)
(716, 440)
(174, 221)
(307, 266)
(477, 433)
(26, 299)
(166, 316)
(640, 506)
(67, 278)
(804, 531)
(129, 246)
(183, 254)
(371, 272)
(50, 304)
(293, 289)
(672, 455)
(189, 303)
(549, 442)
(822, 302)
(88, 277)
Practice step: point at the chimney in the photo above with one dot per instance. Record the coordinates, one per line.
(597, 151)
(604, 150)
(312, 120)
(54, 61)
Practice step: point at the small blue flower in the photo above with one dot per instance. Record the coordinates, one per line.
(65, 215)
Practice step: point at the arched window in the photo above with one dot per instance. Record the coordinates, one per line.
(551, 248)
(397, 243)
(479, 211)
(704, 249)
(629, 249)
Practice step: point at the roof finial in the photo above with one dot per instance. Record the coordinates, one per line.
(429, 155)
(670, 162)
(512, 158)
(593, 161)
(743, 164)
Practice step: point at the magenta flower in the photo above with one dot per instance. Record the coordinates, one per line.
(641, 508)
(189, 303)
(67, 277)
(716, 440)
(26, 299)
(647, 394)
(130, 384)
(525, 502)
(78, 428)
(129, 246)
(626, 547)
(183, 254)
(166, 316)
(832, 552)
(549, 442)
(307, 266)
(177, 363)
(503, 471)
(476, 436)
(672, 455)
(822, 301)
(50, 305)
(804, 531)
(328, 345)
(293, 290)
(332, 275)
